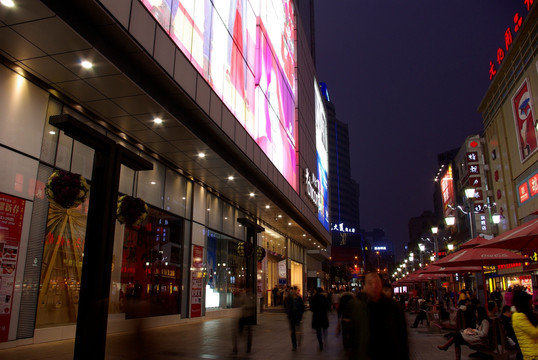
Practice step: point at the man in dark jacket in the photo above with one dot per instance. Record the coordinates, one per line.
(385, 336)
(295, 310)
(320, 306)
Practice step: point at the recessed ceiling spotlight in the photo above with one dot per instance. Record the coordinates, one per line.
(304, 234)
(86, 64)
(8, 3)
(201, 155)
(289, 224)
(267, 206)
(158, 120)
(153, 183)
(279, 216)
(251, 194)
(52, 132)
(230, 177)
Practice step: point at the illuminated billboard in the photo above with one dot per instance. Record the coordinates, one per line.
(322, 150)
(447, 191)
(245, 50)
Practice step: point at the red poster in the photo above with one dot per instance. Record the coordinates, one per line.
(11, 217)
(197, 280)
(524, 121)
(533, 185)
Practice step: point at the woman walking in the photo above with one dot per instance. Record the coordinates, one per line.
(320, 306)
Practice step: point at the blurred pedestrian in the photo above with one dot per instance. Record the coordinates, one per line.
(247, 318)
(320, 306)
(380, 326)
(295, 310)
(524, 322)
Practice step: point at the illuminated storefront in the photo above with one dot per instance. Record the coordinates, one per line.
(204, 92)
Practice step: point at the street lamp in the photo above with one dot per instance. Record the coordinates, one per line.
(435, 229)
(469, 194)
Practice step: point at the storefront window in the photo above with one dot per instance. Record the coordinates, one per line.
(62, 265)
(150, 282)
(225, 271)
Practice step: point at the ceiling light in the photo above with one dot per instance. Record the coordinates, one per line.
(84, 63)
(267, 206)
(158, 120)
(8, 3)
(230, 177)
(52, 132)
(153, 183)
(279, 216)
(251, 194)
(201, 155)
(289, 224)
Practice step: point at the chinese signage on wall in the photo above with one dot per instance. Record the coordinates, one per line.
(509, 35)
(197, 280)
(11, 217)
(528, 189)
(524, 120)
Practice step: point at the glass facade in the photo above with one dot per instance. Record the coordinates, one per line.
(226, 271)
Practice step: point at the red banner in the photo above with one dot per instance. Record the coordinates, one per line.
(11, 217)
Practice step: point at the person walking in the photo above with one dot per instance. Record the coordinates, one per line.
(247, 318)
(320, 306)
(525, 322)
(295, 310)
(380, 326)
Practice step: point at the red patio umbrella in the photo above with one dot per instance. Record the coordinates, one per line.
(479, 240)
(523, 238)
(433, 269)
(481, 257)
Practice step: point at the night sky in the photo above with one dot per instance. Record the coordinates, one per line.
(408, 77)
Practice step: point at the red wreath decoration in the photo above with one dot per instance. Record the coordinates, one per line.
(67, 189)
(131, 211)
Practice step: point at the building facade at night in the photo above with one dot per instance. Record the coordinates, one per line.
(208, 111)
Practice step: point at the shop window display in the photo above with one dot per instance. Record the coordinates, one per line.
(226, 271)
(62, 265)
(150, 282)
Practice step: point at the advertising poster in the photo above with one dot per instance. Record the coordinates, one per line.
(11, 217)
(197, 280)
(524, 121)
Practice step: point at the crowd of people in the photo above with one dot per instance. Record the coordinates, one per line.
(372, 325)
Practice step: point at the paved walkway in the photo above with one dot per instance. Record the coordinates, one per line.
(212, 339)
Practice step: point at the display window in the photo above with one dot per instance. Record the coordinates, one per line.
(61, 267)
(226, 271)
(151, 263)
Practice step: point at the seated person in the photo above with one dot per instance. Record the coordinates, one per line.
(422, 314)
(469, 336)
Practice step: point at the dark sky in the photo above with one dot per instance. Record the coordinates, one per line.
(408, 77)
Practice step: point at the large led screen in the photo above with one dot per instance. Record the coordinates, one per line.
(245, 49)
(322, 149)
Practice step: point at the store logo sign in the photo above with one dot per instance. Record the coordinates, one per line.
(312, 186)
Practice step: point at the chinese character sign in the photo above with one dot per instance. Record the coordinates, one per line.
(11, 217)
(197, 280)
(524, 121)
(528, 188)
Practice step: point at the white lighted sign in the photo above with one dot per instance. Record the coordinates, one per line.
(312, 186)
(342, 228)
(380, 248)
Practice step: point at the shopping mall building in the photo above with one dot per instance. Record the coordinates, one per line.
(208, 111)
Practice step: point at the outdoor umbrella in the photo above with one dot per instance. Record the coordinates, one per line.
(523, 238)
(479, 240)
(478, 256)
(433, 269)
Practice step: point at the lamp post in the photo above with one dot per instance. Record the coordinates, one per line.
(469, 193)
(435, 229)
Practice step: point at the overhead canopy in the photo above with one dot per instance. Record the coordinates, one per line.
(523, 238)
(433, 269)
(478, 256)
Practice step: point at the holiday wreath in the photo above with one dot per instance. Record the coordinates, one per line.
(131, 211)
(67, 189)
